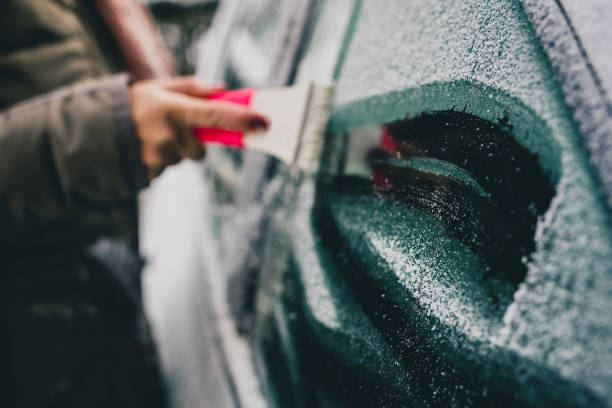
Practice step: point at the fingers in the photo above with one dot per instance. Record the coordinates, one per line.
(189, 85)
(220, 115)
(170, 152)
(165, 112)
(190, 147)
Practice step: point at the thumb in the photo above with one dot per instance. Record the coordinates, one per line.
(189, 85)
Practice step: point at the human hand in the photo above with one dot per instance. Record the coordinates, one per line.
(165, 110)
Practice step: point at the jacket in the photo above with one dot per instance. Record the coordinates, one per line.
(66, 148)
(72, 329)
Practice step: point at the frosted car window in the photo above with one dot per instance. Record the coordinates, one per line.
(431, 223)
(467, 174)
(262, 17)
(324, 43)
(249, 63)
(251, 47)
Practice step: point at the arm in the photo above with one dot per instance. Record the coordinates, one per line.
(67, 150)
(98, 142)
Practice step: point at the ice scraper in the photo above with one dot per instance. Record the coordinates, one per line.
(298, 116)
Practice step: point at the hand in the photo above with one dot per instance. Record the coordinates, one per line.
(165, 110)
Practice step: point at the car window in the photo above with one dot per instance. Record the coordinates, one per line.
(323, 44)
(250, 57)
(478, 189)
(261, 19)
(263, 50)
(252, 42)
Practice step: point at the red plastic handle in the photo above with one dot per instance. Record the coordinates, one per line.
(225, 137)
(239, 96)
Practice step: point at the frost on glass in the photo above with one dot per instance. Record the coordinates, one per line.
(468, 174)
(252, 43)
(415, 278)
(410, 57)
(432, 222)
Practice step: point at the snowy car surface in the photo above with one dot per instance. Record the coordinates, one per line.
(456, 247)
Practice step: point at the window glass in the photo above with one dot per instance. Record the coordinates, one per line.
(252, 43)
(443, 182)
(249, 63)
(324, 44)
(261, 20)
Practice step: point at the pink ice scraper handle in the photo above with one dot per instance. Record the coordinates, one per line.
(226, 137)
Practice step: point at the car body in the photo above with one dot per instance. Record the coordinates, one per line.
(455, 248)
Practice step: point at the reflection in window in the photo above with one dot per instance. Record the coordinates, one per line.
(248, 66)
(261, 20)
(252, 44)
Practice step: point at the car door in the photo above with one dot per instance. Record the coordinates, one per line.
(263, 39)
(252, 43)
(447, 252)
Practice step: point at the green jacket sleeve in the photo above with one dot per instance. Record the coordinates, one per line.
(67, 151)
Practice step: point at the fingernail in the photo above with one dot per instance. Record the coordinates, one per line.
(258, 125)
